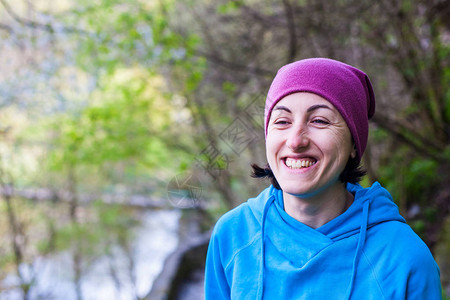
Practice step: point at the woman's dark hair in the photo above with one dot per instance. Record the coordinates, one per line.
(353, 173)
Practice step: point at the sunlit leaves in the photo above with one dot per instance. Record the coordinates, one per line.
(124, 122)
(126, 33)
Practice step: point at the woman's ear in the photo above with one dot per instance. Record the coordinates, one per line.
(353, 153)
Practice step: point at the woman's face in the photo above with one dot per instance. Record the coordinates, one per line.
(308, 144)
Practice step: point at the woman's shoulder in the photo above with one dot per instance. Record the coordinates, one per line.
(236, 217)
(242, 225)
(236, 230)
(239, 219)
(398, 242)
(247, 215)
(396, 254)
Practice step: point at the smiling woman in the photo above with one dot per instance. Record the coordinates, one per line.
(315, 233)
(308, 146)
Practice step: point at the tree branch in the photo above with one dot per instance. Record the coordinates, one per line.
(234, 66)
(419, 143)
(292, 52)
(42, 26)
(6, 28)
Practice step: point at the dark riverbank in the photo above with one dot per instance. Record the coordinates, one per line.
(182, 276)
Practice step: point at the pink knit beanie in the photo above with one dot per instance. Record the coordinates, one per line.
(344, 86)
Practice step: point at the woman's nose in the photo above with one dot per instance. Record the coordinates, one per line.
(298, 138)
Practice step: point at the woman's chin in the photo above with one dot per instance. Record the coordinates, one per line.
(300, 192)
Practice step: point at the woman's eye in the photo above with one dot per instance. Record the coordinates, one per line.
(320, 122)
(281, 122)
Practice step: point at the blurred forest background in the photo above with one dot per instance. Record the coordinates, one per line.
(122, 119)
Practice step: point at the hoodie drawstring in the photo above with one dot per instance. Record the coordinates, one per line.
(359, 248)
(261, 271)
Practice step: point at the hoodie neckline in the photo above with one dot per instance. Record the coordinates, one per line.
(353, 221)
(325, 229)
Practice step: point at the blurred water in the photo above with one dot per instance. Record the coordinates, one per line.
(154, 240)
(193, 289)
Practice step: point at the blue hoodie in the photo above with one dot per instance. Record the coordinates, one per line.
(258, 251)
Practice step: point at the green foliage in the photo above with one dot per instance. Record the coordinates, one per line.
(412, 180)
(446, 71)
(418, 226)
(229, 88)
(125, 34)
(31, 218)
(6, 261)
(109, 224)
(378, 135)
(229, 7)
(420, 177)
(115, 223)
(78, 236)
(126, 122)
(415, 176)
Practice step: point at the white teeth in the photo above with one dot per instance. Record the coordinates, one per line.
(299, 163)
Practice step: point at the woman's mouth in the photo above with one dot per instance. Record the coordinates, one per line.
(299, 163)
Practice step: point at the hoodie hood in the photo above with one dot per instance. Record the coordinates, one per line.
(382, 209)
(299, 243)
(258, 251)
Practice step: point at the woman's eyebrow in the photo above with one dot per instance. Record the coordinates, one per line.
(281, 107)
(317, 106)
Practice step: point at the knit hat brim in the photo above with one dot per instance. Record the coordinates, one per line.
(347, 88)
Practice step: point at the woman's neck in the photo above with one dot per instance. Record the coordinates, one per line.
(320, 209)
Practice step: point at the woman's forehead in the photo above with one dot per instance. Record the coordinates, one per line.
(303, 100)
